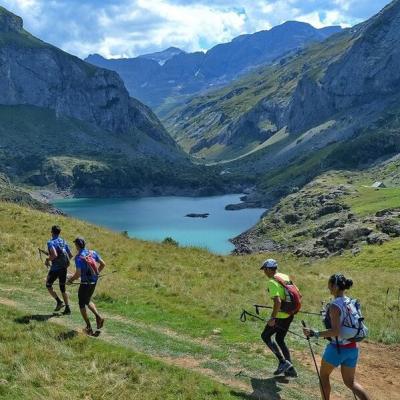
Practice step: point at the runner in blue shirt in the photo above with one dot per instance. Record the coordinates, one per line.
(88, 267)
(58, 258)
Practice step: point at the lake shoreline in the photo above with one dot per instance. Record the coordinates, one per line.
(240, 241)
(49, 195)
(157, 217)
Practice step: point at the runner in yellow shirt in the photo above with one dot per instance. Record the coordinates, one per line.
(279, 322)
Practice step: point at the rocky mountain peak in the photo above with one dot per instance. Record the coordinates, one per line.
(10, 22)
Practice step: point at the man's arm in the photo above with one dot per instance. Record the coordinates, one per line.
(102, 264)
(68, 252)
(51, 256)
(75, 276)
(275, 310)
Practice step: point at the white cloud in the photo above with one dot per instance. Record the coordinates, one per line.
(117, 28)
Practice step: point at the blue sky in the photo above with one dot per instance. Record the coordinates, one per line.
(126, 28)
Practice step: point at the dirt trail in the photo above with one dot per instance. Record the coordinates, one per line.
(8, 302)
(378, 370)
(165, 331)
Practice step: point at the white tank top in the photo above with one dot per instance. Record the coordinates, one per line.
(340, 303)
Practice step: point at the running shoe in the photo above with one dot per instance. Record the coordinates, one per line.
(67, 311)
(291, 372)
(59, 306)
(99, 322)
(283, 367)
(88, 330)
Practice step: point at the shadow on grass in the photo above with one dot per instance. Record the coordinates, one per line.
(267, 389)
(66, 335)
(35, 317)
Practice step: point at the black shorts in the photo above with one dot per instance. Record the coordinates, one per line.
(85, 293)
(280, 328)
(60, 274)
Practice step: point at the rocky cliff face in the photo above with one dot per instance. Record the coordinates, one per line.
(34, 73)
(367, 73)
(10, 22)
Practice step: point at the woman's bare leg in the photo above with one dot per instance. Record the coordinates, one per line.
(325, 372)
(348, 379)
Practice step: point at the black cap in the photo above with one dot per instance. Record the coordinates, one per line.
(269, 264)
(80, 242)
(55, 229)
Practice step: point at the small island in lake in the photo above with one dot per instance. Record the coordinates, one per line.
(194, 215)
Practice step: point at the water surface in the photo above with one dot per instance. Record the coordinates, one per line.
(155, 218)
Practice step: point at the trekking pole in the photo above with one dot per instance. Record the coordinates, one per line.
(42, 252)
(244, 314)
(243, 318)
(92, 283)
(315, 362)
(258, 306)
(108, 273)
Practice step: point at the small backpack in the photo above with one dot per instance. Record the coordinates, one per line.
(292, 303)
(62, 259)
(353, 328)
(92, 270)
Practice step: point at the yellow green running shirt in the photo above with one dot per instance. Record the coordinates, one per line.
(276, 289)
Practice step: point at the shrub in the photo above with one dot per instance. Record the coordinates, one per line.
(171, 242)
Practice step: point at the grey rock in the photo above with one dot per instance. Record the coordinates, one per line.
(10, 22)
(388, 212)
(344, 238)
(389, 226)
(329, 209)
(377, 238)
(314, 252)
(291, 218)
(241, 206)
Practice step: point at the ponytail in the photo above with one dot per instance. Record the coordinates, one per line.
(341, 281)
(348, 284)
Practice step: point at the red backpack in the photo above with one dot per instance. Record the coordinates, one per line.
(92, 264)
(292, 303)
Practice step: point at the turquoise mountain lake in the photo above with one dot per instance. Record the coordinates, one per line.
(155, 218)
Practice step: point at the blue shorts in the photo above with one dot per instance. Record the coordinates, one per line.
(347, 356)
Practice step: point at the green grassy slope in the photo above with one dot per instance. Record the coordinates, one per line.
(165, 303)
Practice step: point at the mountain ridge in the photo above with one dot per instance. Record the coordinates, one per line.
(188, 73)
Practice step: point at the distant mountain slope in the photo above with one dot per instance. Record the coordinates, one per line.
(163, 56)
(230, 122)
(54, 105)
(157, 83)
(311, 107)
